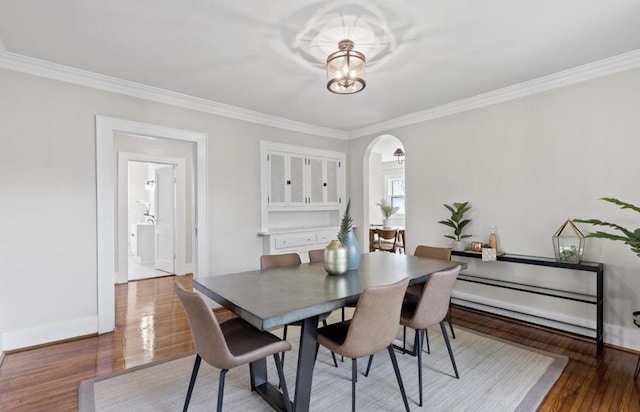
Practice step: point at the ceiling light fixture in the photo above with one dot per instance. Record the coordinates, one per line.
(399, 153)
(345, 69)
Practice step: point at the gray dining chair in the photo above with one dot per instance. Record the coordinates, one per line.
(373, 327)
(290, 259)
(227, 345)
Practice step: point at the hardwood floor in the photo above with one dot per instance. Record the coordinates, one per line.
(151, 325)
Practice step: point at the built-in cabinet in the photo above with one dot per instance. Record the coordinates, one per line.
(303, 196)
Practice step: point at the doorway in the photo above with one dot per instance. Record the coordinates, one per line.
(106, 211)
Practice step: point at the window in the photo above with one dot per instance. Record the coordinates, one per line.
(396, 194)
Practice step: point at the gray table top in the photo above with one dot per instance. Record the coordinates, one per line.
(275, 297)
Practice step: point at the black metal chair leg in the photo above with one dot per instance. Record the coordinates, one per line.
(354, 379)
(369, 366)
(284, 337)
(283, 383)
(426, 339)
(419, 352)
(394, 361)
(223, 373)
(404, 339)
(446, 340)
(453, 334)
(192, 382)
(637, 372)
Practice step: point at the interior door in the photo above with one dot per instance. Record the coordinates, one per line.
(165, 197)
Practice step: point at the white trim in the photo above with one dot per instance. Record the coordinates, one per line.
(106, 127)
(42, 68)
(50, 332)
(612, 65)
(36, 67)
(123, 199)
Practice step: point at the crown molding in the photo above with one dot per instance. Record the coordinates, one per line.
(41, 68)
(601, 68)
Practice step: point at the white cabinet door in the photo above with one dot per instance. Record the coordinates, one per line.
(296, 180)
(331, 182)
(278, 164)
(323, 181)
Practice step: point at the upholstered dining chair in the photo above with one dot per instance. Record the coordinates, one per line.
(290, 259)
(442, 253)
(316, 255)
(372, 328)
(227, 345)
(429, 309)
(386, 240)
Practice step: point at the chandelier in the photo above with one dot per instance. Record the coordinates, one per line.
(345, 69)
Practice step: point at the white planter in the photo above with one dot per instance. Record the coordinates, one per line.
(386, 223)
(458, 245)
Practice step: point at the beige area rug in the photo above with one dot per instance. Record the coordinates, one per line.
(494, 376)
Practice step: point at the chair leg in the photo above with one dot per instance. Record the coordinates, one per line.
(394, 361)
(637, 372)
(223, 373)
(426, 338)
(369, 366)
(342, 357)
(354, 379)
(283, 383)
(404, 339)
(333, 355)
(284, 337)
(446, 340)
(192, 382)
(419, 352)
(453, 334)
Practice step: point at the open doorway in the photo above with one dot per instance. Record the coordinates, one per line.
(384, 175)
(108, 226)
(151, 219)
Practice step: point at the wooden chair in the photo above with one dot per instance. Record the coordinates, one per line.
(372, 328)
(400, 246)
(290, 259)
(385, 240)
(227, 345)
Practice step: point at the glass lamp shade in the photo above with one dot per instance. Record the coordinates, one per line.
(346, 69)
(568, 243)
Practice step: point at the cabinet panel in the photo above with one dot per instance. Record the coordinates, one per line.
(332, 182)
(296, 179)
(316, 181)
(326, 236)
(288, 241)
(277, 179)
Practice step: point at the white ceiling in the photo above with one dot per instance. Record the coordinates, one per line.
(267, 56)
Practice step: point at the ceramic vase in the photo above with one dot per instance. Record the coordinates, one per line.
(335, 258)
(458, 245)
(353, 251)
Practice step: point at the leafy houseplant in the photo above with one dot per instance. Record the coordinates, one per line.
(348, 239)
(386, 209)
(346, 225)
(457, 223)
(629, 237)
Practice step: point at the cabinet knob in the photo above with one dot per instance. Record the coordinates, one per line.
(324, 184)
(288, 182)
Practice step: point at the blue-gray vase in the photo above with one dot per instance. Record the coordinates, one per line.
(353, 251)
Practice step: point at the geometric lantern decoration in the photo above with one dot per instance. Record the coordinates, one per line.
(345, 69)
(568, 243)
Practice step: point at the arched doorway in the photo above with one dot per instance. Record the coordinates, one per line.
(383, 180)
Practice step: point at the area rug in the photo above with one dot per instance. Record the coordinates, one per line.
(494, 376)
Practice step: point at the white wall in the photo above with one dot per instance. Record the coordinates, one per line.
(526, 166)
(48, 198)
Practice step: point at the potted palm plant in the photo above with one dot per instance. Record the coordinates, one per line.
(457, 223)
(629, 237)
(387, 211)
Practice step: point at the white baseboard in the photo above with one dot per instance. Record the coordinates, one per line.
(52, 332)
(628, 338)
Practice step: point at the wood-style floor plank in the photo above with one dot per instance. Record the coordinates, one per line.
(151, 326)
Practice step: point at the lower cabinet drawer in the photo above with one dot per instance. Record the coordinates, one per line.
(288, 241)
(326, 236)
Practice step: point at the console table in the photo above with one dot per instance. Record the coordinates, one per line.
(594, 267)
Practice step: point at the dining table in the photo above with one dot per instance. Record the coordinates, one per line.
(271, 298)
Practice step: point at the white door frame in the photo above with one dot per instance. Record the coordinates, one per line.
(123, 201)
(106, 127)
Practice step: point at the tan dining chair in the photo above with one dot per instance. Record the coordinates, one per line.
(385, 240)
(429, 309)
(400, 245)
(227, 345)
(291, 259)
(372, 328)
(442, 253)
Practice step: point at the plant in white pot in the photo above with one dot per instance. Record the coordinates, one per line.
(387, 211)
(457, 222)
